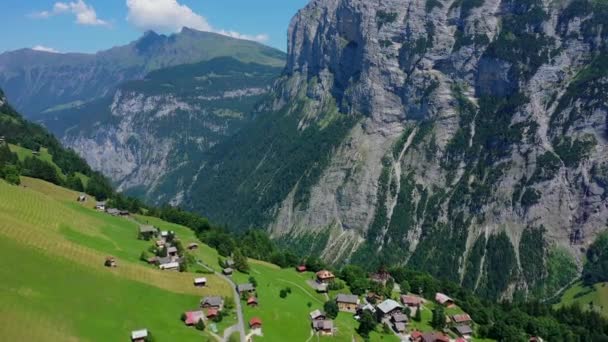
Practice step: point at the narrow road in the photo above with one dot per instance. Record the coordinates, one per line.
(240, 327)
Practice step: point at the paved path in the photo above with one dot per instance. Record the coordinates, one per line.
(240, 326)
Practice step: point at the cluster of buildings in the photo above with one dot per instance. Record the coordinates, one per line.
(101, 206)
(209, 308)
(164, 240)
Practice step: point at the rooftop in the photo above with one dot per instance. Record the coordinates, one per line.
(347, 298)
(135, 334)
(388, 306)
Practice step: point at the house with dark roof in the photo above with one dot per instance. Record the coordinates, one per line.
(388, 308)
(323, 327)
(464, 330)
(146, 232)
(317, 315)
(411, 301)
(461, 319)
(172, 251)
(212, 302)
(444, 300)
(245, 288)
(347, 302)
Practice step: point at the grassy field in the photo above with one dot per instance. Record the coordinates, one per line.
(54, 275)
(596, 295)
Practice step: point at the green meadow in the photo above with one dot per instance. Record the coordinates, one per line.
(589, 298)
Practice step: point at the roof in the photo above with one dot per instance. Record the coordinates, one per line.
(461, 318)
(200, 280)
(255, 321)
(316, 314)
(323, 325)
(172, 249)
(368, 307)
(164, 260)
(212, 312)
(411, 300)
(464, 330)
(135, 334)
(192, 317)
(301, 268)
(399, 318)
(252, 300)
(212, 301)
(416, 334)
(388, 306)
(434, 337)
(400, 326)
(164, 233)
(100, 203)
(227, 270)
(245, 287)
(170, 265)
(325, 274)
(147, 229)
(347, 298)
(442, 298)
(193, 244)
(113, 211)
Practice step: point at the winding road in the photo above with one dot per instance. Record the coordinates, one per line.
(240, 326)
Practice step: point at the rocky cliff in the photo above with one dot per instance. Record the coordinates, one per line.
(467, 138)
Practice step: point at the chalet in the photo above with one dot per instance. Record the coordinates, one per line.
(461, 319)
(110, 262)
(200, 282)
(388, 308)
(169, 266)
(252, 301)
(411, 301)
(418, 336)
(192, 246)
(245, 288)
(255, 323)
(101, 206)
(212, 313)
(323, 327)
(212, 302)
(227, 271)
(366, 307)
(113, 211)
(139, 335)
(347, 303)
(146, 232)
(192, 317)
(464, 331)
(400, 327)
(325, 276)
(444, 300)
(301, 268)
(172, 251)
(374, 297)
(317, 315)
(399, 318)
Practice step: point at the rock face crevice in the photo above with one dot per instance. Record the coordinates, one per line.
(502, 106)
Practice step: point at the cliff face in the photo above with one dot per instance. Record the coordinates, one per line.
(467, 138)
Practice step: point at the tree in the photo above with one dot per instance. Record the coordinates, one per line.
(219, 317)
(144, 256)
(183, 317)
(438, 320)
(240, 261)
(331, 309)
(309, 304)
(200, 325)
(418, 315)
(183, 266)
(283, 293)
(161, 252)
(228, 303)
(405, 287)
(359, 286)
(253, 281)
(367, 324)
(10, 173)
(74, 182)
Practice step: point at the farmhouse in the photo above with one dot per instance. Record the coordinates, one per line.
(110, 262)
(252, 301)
(101, 206)
(200, 282)
(347, 303)
(245, 288)
(113, 211)
(417, 336)
(461, 319)
(212, 302)
(387, 308)
(172, 251)
(212, 312)
(464, 331)
(411, 301)
(227, 271)
(139, 335)
(192, 317)
(365, 307)
(169, 266)
(317, 315)
(325, 276)
(399, 318)
(400, 327)
(323, 327)
(301, 268)
(444, 300)
(146, 232)
(255, 323)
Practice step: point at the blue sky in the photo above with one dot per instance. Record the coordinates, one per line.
(93, 25)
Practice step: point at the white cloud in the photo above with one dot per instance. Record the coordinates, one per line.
(85, 14)
(170, 15)
(44, 49)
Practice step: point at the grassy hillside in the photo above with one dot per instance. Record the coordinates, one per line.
(54, 274)
(589, 298)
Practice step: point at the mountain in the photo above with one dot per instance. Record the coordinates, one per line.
(149, 134)
(465, 138)
(39, 83)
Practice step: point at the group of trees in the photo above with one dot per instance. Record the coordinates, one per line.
(596, 267)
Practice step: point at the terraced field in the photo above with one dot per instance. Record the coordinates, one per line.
(55, 286)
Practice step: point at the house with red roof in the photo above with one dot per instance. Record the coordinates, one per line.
(325, 276)
(301, 268)
(252, 301)
(255, 323)
(192, 317)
